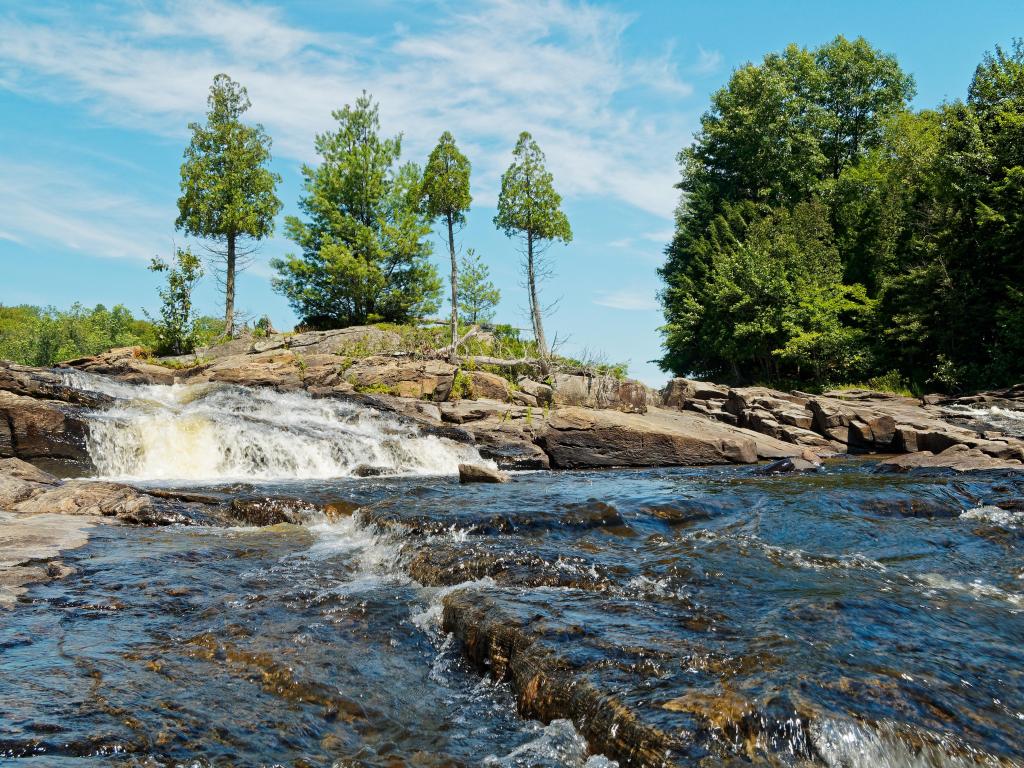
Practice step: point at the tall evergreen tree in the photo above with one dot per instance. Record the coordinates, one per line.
(227, 191)
(446, 196)
(530, 208)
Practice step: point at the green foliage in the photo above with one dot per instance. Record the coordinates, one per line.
(43, 337)
(477, 295)
(528, 205)
(225, 187)
(462, 386)
(530, 208)
(365, 248)
(827, 233)
(375, 389)
(445, 187)
(445, 191)
(176, 328)
(227, 192)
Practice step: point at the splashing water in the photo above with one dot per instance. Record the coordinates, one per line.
(215, 432)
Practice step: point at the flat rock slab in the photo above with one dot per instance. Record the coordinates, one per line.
(581, 437)
(29, 545)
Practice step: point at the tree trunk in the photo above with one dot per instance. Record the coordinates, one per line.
(538, 324)
(455, 292)
(229, 290)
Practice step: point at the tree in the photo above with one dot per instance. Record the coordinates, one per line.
(530, 208)
(176, 328)
(365, 247)
(479, 296)
(859, 88)
(805, 136)
(227, 192)
(446, 196)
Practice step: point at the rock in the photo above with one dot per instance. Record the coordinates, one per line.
(477, 473)
(549, 686)
(680, 391)
(20, 481)
(579, 437)
(44, 384)
(410, 378)
(29, 545)
(627, 395)
(957, 457)
(465, 411)
(541, 392)
(510, 447)
(270, 511)
(37, 429)
(792, 464)
(489, 386)
(126, 364)
(522, 398)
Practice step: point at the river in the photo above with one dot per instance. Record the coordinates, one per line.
(844, 618)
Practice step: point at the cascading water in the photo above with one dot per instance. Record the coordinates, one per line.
(216, 432)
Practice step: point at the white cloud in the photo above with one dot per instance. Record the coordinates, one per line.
(555, 67)
(40, 204)
(626, 299)
(708, 62)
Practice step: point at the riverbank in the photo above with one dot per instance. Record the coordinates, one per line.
(655, 616)
(569, 420)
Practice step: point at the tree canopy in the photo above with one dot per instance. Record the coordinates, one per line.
(828, 233)
(446, 196)
(364, 243)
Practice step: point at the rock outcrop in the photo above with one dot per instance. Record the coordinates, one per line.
(845, 421)
(572, 420)
(41, 419)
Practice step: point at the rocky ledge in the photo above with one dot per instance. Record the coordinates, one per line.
(42, 515)
(570, 420)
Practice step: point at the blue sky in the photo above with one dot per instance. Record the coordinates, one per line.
(95, 99)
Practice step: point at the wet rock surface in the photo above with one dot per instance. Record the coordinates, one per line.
(703, 616)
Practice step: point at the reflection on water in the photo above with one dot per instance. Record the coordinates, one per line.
(845, 618)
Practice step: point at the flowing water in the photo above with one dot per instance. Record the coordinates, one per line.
(845, 618)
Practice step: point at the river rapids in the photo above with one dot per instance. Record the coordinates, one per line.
(844, 618)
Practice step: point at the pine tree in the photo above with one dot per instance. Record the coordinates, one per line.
(530, 208)
(446, 197)
(227, 192)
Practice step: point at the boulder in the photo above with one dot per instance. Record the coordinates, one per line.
(541, 392)
(625, 395)
(42, 430)
(478, 473)
(580, 437)
(791, 464)
(431, 379)
(488, 386)
(679, 391)
(959, 458)
(127, 364)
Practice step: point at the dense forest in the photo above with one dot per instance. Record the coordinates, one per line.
(829, 233)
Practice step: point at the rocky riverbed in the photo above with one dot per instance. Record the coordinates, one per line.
(776, 598)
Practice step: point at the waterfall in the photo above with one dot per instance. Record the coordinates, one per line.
(213, 432)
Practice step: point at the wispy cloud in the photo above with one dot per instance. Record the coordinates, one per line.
(708, 62)
(40, 204)
(563, 74)
(630, 300)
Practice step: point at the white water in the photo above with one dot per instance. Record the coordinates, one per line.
(216, 432)
(1010, 421)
